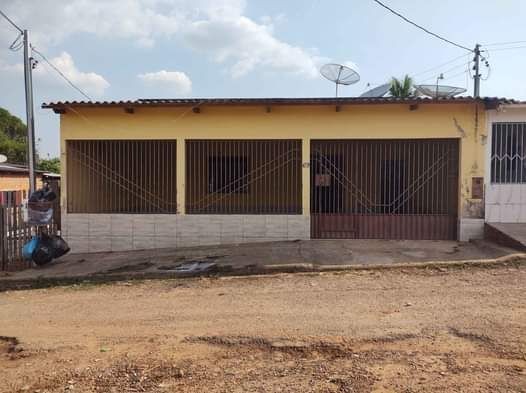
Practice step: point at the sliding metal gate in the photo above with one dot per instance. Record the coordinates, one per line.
(384, 189)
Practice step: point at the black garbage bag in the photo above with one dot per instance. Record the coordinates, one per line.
(45, 194)
(37, 196)
(49, 195)
(43, 253)
(59, 246)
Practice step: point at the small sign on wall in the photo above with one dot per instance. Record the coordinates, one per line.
(322, 180)
(477, 187)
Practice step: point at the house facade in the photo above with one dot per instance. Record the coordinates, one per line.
(172, 173)
(15, 177)
(506, 164)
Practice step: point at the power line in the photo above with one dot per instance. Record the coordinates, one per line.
(455, 75)
(439, 66)
(421, 27)
(509, 48)
(10, 21)
(16, 45)
(60, 73)
(504, 43)
(449, 70)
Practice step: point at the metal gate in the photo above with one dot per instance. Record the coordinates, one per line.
(384, 189)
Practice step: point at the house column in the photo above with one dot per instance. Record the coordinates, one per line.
(181, 172)
(305, 176)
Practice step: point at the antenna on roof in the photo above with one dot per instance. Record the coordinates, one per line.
(339, 74)
(439, 91)
(378, 91)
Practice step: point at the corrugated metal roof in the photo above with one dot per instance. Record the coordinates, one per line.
(489, 101)
(16, 168)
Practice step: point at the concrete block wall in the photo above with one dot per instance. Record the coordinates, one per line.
(470, 229)
(122, 232)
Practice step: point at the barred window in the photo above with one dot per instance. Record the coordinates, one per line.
(121, 176)
(243, 177)
(508, 153)
(228, 174)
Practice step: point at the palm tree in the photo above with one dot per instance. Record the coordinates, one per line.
(401, 88)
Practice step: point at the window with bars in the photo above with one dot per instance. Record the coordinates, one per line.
(121, 176)
(243, 177)
(228, 174)
(508, 153)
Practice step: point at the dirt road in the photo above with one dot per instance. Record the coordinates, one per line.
(390, 331)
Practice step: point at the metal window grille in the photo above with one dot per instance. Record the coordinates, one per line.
(243, 177)
(508, 153)
(121, 176)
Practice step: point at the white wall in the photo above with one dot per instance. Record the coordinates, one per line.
(505, 203)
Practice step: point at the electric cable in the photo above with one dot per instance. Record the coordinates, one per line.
(11, 22)
(421, 27)
(61, 73)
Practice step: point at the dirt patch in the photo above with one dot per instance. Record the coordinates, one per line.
(462, 330)
(124, 375)
(283, 345)
(10, 347)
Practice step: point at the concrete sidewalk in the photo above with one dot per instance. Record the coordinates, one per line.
(253, 257)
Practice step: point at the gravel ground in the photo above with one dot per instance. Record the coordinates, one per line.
(412, 330)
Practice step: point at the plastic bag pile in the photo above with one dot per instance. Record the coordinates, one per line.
(43, 248)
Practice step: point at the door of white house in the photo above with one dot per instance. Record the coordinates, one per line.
(506, 167)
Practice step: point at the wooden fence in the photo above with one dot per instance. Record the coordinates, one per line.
(15, 232)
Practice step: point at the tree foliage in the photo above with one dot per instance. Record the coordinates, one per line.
(401, 88)
(12, 137)
(49, 165)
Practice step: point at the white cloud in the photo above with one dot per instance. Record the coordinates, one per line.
(6, 67)
(178, 82)
(248, 45)
(217, 28)
(90, 82)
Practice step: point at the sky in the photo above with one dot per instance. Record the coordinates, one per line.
(129, 49)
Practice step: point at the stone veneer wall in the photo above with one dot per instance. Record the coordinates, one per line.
(122, 232)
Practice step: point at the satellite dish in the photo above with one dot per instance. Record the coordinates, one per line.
(378, 91)
(339, 74)
(439, 91)
(3, 158)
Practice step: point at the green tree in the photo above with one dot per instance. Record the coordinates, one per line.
(49, 165)
(12, 137)
(401, 88)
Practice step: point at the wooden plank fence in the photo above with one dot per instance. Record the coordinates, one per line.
(15, 232)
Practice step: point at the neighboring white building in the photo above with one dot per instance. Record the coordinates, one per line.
(505, 177)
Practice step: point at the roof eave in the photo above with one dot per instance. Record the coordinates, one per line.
(61, 107)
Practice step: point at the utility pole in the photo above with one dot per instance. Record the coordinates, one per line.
(30, 115)
(476, 77)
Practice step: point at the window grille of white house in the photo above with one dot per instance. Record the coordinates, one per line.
(508, 153)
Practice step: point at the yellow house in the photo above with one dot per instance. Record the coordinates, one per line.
(156, 173)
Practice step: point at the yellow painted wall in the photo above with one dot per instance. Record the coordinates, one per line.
(17, 182)
(464, 121)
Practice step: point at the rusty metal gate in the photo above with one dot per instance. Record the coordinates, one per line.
(384, 189)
